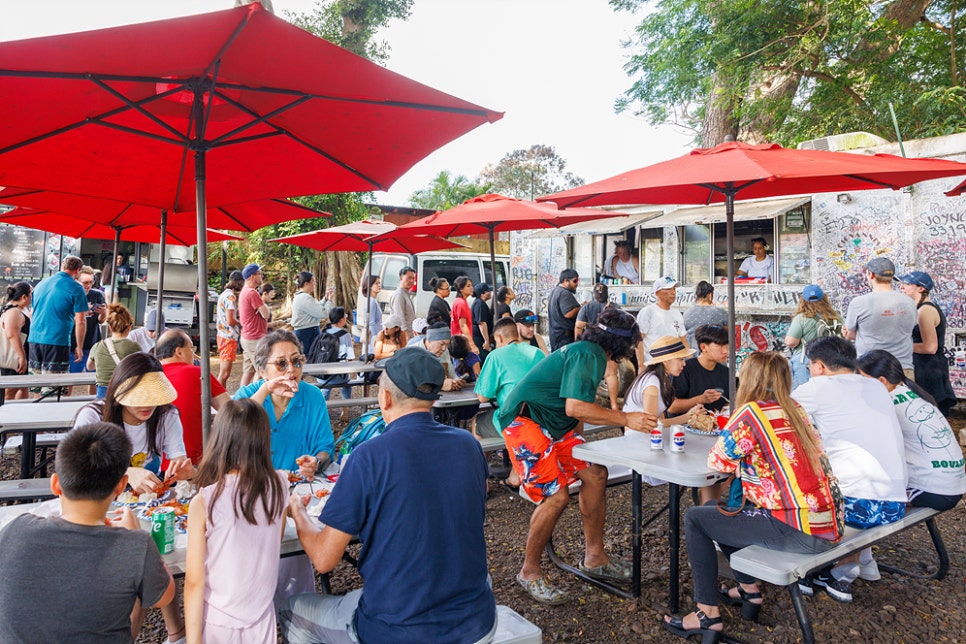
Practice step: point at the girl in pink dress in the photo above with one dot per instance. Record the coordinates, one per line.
(235, 525)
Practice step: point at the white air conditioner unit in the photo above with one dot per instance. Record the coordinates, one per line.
(841, 142)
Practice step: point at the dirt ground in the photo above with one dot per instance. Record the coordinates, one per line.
(895, 609)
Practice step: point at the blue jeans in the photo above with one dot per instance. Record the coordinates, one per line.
(79, 367)
(800, 374)
(346, 393)
(101, 392)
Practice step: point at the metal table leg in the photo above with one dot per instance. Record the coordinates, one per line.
(29, 447)
(636, 531)
(674, 537)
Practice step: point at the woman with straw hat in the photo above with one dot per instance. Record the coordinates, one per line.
(139, 398)
(652, 391)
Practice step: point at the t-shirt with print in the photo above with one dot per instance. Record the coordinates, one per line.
(71, 583)
(573, 371)
(504, 368)
(654, 322)
(95, 298)
(144, 455)
(883, 321)
(695, 380)
(933, 455)
(227, 301)
(561, 301)
(253, 325)
(860, 432)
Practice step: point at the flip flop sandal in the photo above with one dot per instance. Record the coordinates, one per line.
(512, 489)
(542, 591)
(749, 609)
(613, 570)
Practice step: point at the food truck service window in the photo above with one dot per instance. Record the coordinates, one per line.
(697, 253)
(795, 246)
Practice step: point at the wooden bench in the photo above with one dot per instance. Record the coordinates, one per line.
(25, 490)
(787, 568)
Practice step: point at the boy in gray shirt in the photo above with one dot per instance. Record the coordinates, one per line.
(75, 578)
(884, 318)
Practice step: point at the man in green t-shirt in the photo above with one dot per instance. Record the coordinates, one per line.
(540, 418)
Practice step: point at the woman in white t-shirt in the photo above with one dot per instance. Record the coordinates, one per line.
(139, 398)
(934, 458)
(761, 264)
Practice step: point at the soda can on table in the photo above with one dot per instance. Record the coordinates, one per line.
(162, 529)
(677, 439)
(657, 437)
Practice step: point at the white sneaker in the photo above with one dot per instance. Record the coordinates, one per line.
(869, 571)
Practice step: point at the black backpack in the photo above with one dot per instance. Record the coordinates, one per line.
(325, 347)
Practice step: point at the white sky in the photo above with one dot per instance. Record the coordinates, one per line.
(553, 66)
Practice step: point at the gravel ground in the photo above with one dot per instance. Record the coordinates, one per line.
(895, 609)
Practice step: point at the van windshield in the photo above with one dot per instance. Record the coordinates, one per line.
(450, 269)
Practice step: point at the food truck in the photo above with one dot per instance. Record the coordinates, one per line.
(823, 239)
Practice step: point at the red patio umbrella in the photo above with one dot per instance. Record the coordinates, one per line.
(367, 236)
(494, 213)
(245, 217)
(246, 104)
(69, 226)
(722, 173)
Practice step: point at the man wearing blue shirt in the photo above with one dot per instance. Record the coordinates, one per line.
(59, 303)
(423, 554)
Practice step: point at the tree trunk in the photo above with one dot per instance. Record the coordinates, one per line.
(342, 271)
(719, 113)
(776, 90)
(897, 18)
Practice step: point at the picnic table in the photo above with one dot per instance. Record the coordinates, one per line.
(344, 367)
(679, 469)
(29, 421)
(56, 382)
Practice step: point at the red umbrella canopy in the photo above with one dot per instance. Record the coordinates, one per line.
(245, 217)
(360, 236)
(60, 224)
(497, 213)
(123, 113)
(752, 172)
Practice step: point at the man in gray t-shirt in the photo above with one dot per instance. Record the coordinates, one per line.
(72, 578)
(884, 318)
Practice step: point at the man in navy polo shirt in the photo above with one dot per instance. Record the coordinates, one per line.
(423, 554)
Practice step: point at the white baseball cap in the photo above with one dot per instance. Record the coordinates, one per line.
(663, 283)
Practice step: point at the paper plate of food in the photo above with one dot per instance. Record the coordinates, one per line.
(702, 424)
(134, 500)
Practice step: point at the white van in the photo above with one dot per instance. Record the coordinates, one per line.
(446, 264)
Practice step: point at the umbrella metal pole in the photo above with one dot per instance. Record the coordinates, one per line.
(493, 277)
(204, 349)
(161, 249)
(367, 332)
(117, 248)
(732, 349)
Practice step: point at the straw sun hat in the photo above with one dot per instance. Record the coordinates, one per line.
(666, 348)
(153, 390)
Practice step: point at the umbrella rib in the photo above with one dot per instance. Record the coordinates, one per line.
(130, 130)
(256, 118)
(872, 181)
(135, 106)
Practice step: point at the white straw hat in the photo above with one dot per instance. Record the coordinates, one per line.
(153, 390)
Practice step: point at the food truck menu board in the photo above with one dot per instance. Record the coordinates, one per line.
(21, 253)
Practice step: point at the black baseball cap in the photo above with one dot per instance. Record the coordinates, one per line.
(417, 372)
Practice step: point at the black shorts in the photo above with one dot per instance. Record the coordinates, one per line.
(941, 502)
(48, 358)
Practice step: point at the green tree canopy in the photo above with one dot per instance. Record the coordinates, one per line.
(446, 191)
(796, 69)
(525, 174)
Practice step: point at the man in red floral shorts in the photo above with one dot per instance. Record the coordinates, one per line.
(540, 422)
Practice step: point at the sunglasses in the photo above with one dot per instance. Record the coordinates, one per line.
(532, 319)
(282, 364)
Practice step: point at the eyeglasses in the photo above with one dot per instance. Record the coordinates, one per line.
(282, 364)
